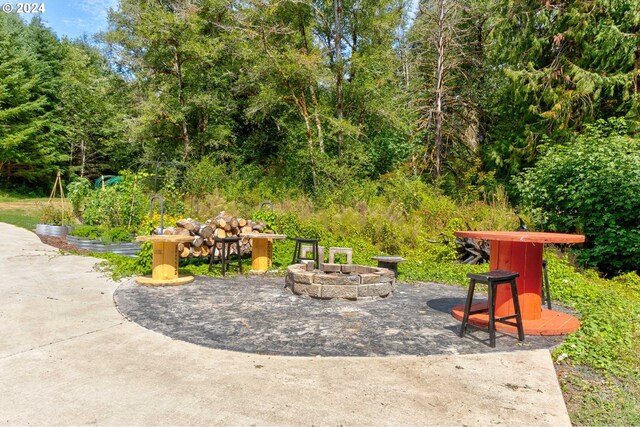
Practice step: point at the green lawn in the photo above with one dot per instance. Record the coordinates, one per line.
(11, 196)
(25, 218)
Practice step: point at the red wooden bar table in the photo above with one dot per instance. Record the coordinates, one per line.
(522, 252)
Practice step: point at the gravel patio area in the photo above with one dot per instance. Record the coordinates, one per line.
(258, 315)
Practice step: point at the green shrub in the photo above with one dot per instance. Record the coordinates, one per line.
(269, 218)
(593, 187)
(53, 213)
(120, 205)
(116, 235)
(88, 231)
(78, 192)
(122, 266)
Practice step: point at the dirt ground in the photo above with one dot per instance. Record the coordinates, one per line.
(23, 204)
(61, 243)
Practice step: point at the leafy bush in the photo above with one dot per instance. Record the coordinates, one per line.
(88, 231)
(79, 191)
(592, 187)
(53, 214)
(116, 235)
(120, 205)
(122, 266)
(269, 218)
(205, 176)
(102, 233)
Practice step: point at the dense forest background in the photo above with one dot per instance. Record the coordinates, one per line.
(318, 95)
(379, 125)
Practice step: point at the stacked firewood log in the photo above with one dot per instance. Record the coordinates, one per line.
(203, 243)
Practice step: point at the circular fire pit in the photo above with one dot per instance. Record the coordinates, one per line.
(346, 281)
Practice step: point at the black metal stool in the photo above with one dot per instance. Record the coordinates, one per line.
(493, 279)
(297, 256)
(546, 294)
(225, 252)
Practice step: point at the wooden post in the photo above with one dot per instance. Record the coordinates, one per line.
(57, 184)
(525, 258)
(260, 259)
(165, 261)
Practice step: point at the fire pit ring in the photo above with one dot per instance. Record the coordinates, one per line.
(344, 281)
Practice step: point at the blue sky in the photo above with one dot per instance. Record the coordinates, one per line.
(73, 18)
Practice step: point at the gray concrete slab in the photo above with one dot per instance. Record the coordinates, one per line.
(67, 357)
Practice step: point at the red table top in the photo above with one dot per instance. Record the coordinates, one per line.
(523, 236)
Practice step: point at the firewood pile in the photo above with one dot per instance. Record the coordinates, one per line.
(203, 243)
(472, 251)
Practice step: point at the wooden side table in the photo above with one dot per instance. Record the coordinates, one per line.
(165, 261)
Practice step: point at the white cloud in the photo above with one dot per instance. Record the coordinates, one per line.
(76, 22)
(95, 11)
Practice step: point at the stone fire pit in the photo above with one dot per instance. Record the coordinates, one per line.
(346, 281)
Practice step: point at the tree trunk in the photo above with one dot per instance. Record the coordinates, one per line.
(337, 11)
(83, 153)
(184, 130)
(301, 104)
(636, 74)
(437, 146)
(316, 115)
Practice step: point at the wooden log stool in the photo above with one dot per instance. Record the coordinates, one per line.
(493, 279)
(225, 244)
(297, 252)
(345, 251)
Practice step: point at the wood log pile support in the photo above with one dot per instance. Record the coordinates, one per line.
(223, 225)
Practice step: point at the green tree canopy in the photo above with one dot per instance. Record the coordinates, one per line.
(592, 186)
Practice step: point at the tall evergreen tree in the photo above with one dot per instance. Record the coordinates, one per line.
(560, 65)
(93, 112)
(175, 53)
(30, 132)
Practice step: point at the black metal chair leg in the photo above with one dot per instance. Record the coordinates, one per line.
(546, 294)
(492, 317)
(223, 258)
(467, 308)
(238, 255)
(516, 306)
(296, 254)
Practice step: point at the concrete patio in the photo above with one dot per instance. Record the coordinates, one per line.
(67, 356)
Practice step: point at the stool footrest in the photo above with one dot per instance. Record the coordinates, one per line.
(502, 319)
(506, 322)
